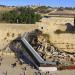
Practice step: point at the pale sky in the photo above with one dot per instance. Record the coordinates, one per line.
(53, 3)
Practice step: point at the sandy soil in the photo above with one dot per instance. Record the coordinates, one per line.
(9, 32)
(62, 41)
(17, 70)
(66, 72)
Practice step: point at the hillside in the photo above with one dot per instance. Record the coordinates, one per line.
(3, 9)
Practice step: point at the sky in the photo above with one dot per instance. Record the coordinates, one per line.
(53, 3)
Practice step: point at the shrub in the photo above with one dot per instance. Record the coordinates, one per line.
(58, 31)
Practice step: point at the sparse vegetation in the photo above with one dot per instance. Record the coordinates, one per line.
(60, 9)
(5, 38)
(13, 34)
(58, 31)
(8, 34)
(42, 9)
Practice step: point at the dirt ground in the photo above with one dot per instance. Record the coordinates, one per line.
(63, 41)
(9, 32)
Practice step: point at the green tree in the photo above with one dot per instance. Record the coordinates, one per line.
(22, 14)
